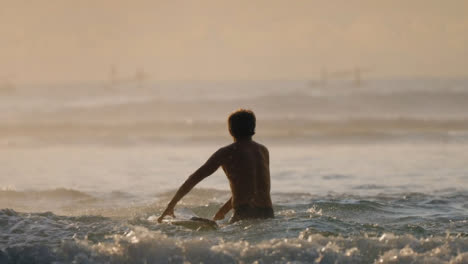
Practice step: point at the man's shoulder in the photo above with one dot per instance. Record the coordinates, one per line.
(225, 150)
(228, 148)
(262, 147)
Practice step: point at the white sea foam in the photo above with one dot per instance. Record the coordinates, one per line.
(142, 245)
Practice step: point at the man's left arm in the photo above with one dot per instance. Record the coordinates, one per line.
(210, 166)
(223, 210)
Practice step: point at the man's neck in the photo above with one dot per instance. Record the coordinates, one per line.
(242, 140)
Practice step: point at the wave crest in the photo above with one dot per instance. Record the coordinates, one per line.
(58, 193)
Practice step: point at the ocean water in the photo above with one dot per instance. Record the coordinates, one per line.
(372, 174)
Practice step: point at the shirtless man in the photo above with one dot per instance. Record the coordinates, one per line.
(246, 164)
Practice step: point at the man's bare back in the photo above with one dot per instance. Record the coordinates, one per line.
(246, 165)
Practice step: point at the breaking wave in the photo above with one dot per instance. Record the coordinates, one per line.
(140, 245)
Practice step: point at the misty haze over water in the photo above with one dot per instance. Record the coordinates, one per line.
(196, 110)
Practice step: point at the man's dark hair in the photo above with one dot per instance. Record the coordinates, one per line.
(242, 124)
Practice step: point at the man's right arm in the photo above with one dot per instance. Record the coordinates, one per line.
(210, 166)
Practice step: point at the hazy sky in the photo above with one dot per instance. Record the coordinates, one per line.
(62, 40)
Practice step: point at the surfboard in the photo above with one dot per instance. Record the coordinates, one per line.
(188, 219)
(194, 223)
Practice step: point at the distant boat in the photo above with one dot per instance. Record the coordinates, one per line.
(355, 75)
(139, 77)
